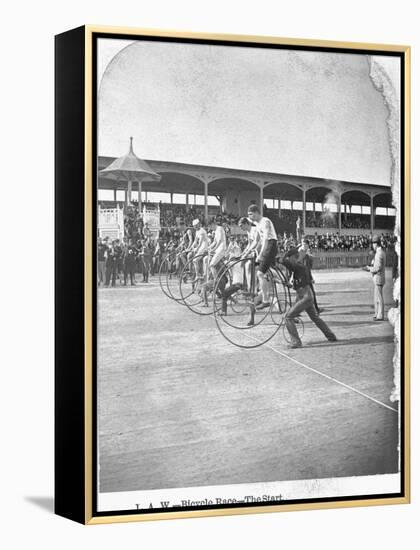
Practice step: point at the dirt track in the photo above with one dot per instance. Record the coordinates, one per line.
(180, 406)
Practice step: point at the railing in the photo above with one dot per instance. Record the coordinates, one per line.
(355, 258)
(346, 231)
(111, 223)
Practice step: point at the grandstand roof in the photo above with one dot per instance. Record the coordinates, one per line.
(178, 177)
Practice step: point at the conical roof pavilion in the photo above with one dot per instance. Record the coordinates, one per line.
(130, 167)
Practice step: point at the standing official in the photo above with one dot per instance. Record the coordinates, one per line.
(377, 269)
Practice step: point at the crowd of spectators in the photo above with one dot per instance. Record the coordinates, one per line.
(346, 243)
(141, 252)
(324, 219)
(139, 243)
(170, 218)
(333, 242)
(355, 222)
(120, 260)
(171, 215)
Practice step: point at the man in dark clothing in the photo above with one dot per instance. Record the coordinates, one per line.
(157, 255)
(394, 255)
(118, 251)
(102, 247)
(130, 265)
(146, 255)
(306, 258)
(304, 300)
(111, 266)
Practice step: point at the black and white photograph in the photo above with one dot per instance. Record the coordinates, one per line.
(249, 229)
(209, 275)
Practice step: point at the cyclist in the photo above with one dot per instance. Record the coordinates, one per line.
(267, 251)
(251, 247)
(218, 247)
(199, 248)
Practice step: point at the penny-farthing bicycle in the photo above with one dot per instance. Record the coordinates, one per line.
(238, 317)
(197, 285)
(169, 273)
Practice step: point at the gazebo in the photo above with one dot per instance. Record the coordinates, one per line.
(130, 168)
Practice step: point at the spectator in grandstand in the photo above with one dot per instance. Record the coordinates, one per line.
(147, 233)
(231, 246)
(298, 229)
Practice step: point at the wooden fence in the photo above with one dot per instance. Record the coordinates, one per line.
(356, 258)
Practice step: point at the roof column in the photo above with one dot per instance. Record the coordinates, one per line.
(339, 213)
(372, 215)
(206, 206)
(304, 210)
(129, 191)
(140, 191)
(205, 178)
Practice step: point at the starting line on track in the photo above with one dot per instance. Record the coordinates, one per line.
(331, 378)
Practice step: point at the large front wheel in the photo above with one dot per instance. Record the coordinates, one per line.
(196, 286)
(238, 318)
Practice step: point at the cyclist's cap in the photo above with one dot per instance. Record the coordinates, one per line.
(245, 221)
(253, 208)
(290, 253)
(195, 222)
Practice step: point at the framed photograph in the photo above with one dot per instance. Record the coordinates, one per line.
(232, 274)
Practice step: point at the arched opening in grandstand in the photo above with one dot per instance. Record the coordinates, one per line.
(384, 211)
(179, 197)
(283, 204)
(235, 195)
(322, 206)
(356, 212)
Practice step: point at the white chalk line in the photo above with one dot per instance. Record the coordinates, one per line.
(331, 378)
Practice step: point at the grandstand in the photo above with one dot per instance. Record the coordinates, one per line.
(186, 189)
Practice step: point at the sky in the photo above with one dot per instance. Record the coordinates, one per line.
(301, 113)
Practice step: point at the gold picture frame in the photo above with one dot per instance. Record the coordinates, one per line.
(75, 417)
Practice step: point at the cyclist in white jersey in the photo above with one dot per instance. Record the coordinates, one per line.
(218, 247)
(185, 244)
(200, 246)
(267, 252)
(254, 242)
